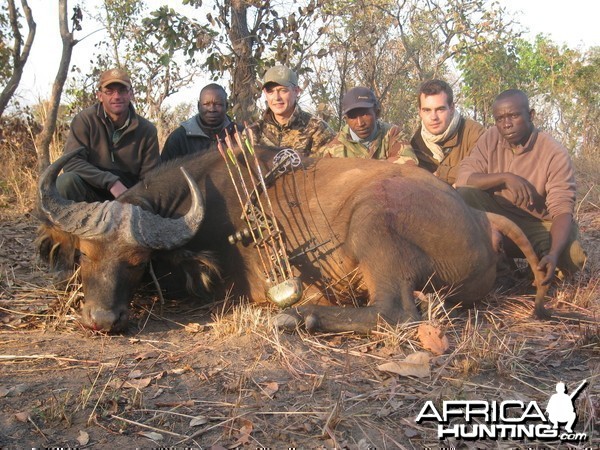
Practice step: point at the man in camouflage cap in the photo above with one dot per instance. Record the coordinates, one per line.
(284, 124)
(119, 146)
(364, 135)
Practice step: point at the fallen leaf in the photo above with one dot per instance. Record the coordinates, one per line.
(147, 355)
(138, 384)
(83, 438)
(270, 388)
(135, 374)
(132, 384)
(433, 339)
(22, 416)
(244, 437)
(416, 365)
(4, 391)
(18, 389)
(196, 421)
(194, 328)
(151, 435)
(410, 432)
(111, 407)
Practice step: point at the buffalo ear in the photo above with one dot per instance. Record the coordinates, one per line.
(56, 248)
(59, 251)
(182, 272)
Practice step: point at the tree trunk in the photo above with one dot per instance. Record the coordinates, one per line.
(243, 73)
(19, 57)
(68, 42)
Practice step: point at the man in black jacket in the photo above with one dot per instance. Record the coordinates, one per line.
(198, 133)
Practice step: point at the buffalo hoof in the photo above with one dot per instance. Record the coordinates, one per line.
(541, 313)
(288, 320)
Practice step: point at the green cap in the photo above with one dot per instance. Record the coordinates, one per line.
(281, 75)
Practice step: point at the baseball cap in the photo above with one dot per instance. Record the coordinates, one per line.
(358, 97)
(281, 75)
(114, 76)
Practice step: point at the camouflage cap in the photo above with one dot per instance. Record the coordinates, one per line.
(114, 76)
(358, 97)
(281, 75)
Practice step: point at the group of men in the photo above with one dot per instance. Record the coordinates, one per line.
(512, 169)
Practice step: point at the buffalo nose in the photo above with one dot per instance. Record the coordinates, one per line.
(107, 320)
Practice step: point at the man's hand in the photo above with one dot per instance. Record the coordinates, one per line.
(117, 189)
(548, 265)
(522, 190)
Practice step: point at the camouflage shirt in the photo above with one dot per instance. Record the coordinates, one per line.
(388, 144)
(304, 132)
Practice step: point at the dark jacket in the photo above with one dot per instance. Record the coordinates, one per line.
(455, 149)
(103, 163)
(192, 137)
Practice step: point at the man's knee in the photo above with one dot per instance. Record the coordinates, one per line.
(475, 198)
(71, 186)
(573, 258)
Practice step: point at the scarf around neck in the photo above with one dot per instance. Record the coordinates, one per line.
(367, 141)
(432, 140)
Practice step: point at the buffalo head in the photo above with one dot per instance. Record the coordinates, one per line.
(115, 241)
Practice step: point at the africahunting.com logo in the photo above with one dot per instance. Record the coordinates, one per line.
(510, 419)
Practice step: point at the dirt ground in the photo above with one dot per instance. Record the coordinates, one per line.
(221, 376)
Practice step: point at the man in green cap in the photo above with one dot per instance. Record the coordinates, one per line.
(284, 124)
(364, 135)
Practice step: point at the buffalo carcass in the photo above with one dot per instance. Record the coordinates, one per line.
(368, 233)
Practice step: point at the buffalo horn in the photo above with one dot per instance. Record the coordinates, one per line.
(130, 222)
(154, 231)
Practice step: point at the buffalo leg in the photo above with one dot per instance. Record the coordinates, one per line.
(393, 308)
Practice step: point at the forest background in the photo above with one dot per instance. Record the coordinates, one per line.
(391, 46)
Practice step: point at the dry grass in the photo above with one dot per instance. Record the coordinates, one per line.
(18, 159)
(258, 384)
(239, 317)
(587, 176)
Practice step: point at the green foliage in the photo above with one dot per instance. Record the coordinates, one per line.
(252, 36)
(391, 46)
(581, 104)
(158, 48)
(563, 85)
(176, 33)
(492, 68)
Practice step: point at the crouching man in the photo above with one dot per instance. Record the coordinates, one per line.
(525, 175)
